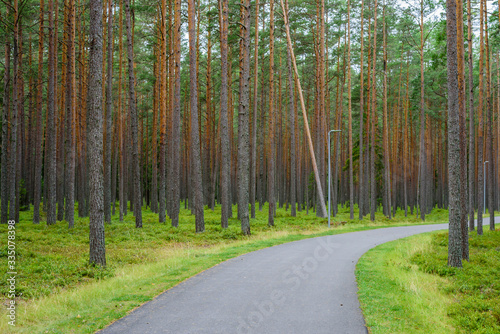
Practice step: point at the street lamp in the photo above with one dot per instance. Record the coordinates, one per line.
(329, 174)
(484, 187)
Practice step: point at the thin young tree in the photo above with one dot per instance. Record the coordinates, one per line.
(95, 136)
(196, 179)
(136, 170)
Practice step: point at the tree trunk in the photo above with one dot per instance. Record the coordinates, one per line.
(224, 126)
(489, 137)
(373, 182)
(197, 187)
(462, 130)
(271, 117)
(480, 163)
(253, 152)
(70, 125)
(472, 155)
(351, 175)
(51, 135)
(361, 116)
(109, 118)
(95, 148)
(423, 159)
(455, 235)
(136, 171)
(176, 117)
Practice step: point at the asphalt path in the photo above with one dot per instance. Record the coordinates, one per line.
(305, 286)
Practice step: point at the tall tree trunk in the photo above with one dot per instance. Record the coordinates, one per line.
(70, 123)
(472, 155)
(489, 137)
(271, 117)
(197, 187)
(163, 126)
(462, 129)
(455, 236)
(373, 182)
(51, 135)
(361, 116)
(109, 118)
(243, 120)
(351, 174)
(224, 126)
(5, 130)
(480, 163)
(387, 171)
(291, 127)
(176, 117)
(136, 171)
(95, 148)
(423, 159)
(253, 152)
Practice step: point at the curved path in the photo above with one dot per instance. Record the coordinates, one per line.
(306, 286)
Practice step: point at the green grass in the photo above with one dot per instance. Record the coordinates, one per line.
(61, 293)
(405, 286)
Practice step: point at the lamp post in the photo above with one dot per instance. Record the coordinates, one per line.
(484, 186)
(329, 174)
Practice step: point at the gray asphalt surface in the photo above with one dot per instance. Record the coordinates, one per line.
(306, 286)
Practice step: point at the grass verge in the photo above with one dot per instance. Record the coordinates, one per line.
(405, 286)
(61, 293)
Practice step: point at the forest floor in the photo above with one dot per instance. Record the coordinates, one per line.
(406, 286)
(61, 293)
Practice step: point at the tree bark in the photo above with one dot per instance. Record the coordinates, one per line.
(472, 155)
(70, 123)
(197, 187)
(176, 116)
(136, 171)
(51, 135)
(95, 134)
(224, 126)
(109, 117)
(462, 129)
(253, 160)
(455, 235)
